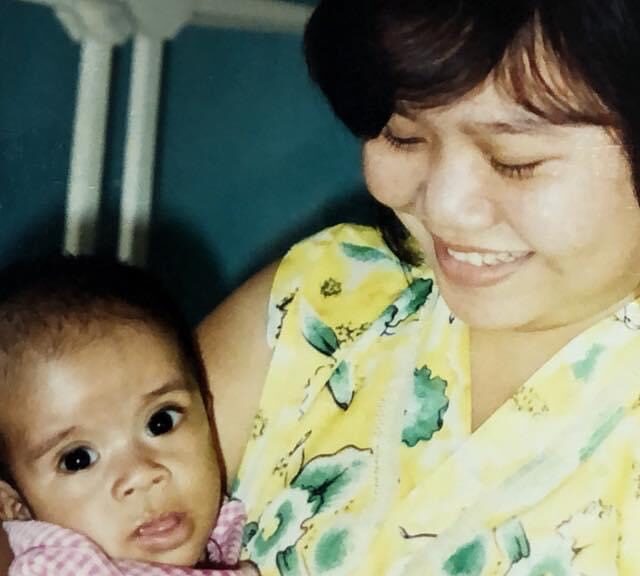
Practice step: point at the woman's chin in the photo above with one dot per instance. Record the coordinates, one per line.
(489, 311)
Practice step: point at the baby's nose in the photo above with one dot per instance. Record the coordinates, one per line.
(140, 476)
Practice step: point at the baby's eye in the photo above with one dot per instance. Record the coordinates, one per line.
(165, 420)
(78, 459)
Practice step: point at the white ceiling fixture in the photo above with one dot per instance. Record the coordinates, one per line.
(99, 25)
(116, 20)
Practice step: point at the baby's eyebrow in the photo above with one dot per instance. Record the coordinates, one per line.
(36, 452)
(172, 386)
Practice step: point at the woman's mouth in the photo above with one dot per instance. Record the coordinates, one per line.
(163, 533)
(477, 267)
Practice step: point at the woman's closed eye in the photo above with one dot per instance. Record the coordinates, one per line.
(164, 420)
(401, 142)
(77, 459)
(516, 171)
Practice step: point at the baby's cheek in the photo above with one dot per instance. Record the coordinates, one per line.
(95, 518)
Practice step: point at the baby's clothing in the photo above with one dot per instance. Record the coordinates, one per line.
(43, 549)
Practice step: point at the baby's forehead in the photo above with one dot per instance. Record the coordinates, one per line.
(116, 366)
(55, 337)
(18, 392)
(87, 343)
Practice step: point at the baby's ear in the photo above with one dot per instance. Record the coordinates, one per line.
(12, 507)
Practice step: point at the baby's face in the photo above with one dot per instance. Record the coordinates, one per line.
(113, 441)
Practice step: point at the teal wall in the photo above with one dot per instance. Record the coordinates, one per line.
(249, 156)
(37, 85)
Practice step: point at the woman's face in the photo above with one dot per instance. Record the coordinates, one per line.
(528, 225)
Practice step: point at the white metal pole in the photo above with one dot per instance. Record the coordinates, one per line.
(258, 15)
(137, 193)
(87, 154)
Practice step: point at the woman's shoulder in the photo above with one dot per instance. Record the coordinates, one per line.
(352, 252)
(343, 239)
(343, 275)
(350, 232)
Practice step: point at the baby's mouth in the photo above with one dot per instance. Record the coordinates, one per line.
(164, 532)
(158, 525)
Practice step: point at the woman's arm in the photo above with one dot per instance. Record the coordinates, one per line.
(236, 355)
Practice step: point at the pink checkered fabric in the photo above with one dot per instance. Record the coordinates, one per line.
(43, 549)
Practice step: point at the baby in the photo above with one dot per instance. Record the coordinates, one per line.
(108, 458)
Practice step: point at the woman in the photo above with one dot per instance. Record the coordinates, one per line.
(461, 398)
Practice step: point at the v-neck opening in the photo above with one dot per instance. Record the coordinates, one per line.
(531, 383)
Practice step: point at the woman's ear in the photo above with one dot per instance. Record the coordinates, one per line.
(12, 506)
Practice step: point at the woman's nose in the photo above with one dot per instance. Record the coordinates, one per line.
(139, 474)
(457, 195)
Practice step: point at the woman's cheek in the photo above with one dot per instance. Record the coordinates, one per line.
(393, 177)
(554, 221)
(420, 234)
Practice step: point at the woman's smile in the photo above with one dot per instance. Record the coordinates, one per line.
(476, 267)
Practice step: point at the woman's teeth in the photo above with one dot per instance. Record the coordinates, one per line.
(486, 258)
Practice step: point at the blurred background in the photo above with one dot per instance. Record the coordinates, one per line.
(249, 157)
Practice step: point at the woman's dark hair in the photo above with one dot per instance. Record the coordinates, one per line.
(569, 61)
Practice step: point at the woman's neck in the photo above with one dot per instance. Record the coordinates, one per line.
(503, 360)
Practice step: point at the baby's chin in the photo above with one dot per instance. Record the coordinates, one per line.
(186, 556)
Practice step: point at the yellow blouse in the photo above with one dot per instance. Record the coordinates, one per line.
(362, 459)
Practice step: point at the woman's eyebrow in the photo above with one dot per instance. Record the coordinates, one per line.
(519, 124)
(36, 452)
(515, 126)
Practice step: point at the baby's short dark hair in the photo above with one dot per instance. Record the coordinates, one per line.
(55, 304)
